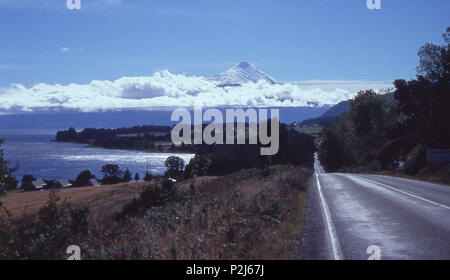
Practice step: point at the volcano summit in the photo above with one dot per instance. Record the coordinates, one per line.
(242, 73)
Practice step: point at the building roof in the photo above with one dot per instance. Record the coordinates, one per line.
(94, 182)
(64, 183)
(39, 183)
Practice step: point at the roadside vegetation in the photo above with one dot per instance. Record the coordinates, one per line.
(250, 214)
(392, 132)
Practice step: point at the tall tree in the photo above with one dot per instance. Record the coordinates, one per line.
(174, 166)
(112, 173)
(7, 180)
(83, 179)
(424, 102)
(127, 176)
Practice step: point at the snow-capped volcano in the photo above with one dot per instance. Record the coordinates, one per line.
(242, 73)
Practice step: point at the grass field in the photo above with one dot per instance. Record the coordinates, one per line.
(245, 215)
(103, 201)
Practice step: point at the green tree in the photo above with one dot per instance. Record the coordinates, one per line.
(7, 180)
(127, 176)
(371, 125)
(148, 176)
(379, 129)
(112, 173)
(136, 177)
(83, 178)
(434, 60)
(423, 102)
(27, 179)
(356, 136)
(198, 166)
(174, 166)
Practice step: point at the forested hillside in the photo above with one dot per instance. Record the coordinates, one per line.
(377, 134)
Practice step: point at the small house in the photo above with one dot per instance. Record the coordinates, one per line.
(58, 184)
(93, 182)
(64, 183)
(38, 184)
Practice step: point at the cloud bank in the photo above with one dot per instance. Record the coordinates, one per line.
(164, 89)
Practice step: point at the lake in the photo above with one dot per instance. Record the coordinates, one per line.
(36, 154)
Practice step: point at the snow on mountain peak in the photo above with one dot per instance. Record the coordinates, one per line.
(241, 73)
(245, 65)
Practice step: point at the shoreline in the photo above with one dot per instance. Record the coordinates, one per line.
(165, 150)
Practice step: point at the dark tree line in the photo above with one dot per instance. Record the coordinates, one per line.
(355, 137)
(137, 137)
(217, 160)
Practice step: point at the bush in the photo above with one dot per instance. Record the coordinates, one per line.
(7, 244)
(296, 179)
(152, 196)
(83, 179)
(11, 183)
(58, 225)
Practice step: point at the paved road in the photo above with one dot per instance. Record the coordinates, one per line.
(347, 213)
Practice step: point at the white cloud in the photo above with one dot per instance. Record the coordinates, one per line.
(65, 49)
(164, 89)
(352, 86)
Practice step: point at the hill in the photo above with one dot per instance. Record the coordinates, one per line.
(335, 111)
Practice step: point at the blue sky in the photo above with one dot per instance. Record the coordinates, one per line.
(291, 40)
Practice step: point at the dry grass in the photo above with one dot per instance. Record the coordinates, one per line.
(240, 216)
(103, 201)
(244, 215)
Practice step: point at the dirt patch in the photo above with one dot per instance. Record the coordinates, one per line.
(103, 201)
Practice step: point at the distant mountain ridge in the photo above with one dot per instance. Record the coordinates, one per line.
(241, 73)
(330, 115)
(335, 111)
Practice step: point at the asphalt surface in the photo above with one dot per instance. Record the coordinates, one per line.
(352, 216)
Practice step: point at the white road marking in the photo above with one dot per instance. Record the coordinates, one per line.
(404, 191)
(337, 253)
